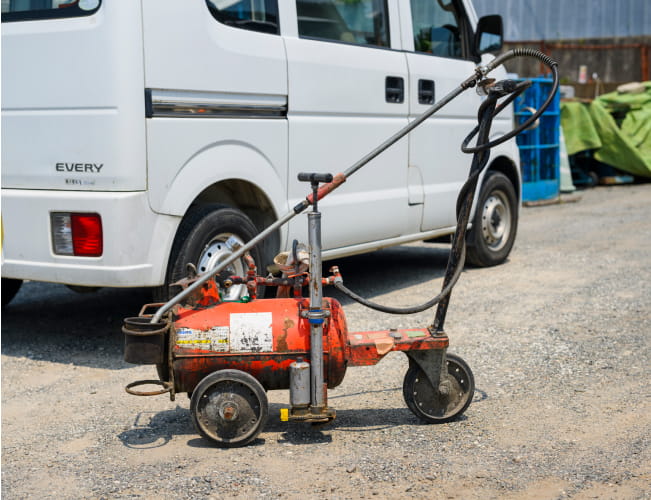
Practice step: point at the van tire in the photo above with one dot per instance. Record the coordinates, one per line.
(10, 288)
(495, 222)
(199, 241)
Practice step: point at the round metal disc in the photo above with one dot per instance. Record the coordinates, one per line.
(433, 406)
(229, 407)
(215, 252)
(496, 220)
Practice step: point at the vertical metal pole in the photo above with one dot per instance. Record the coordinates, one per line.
(315, 314)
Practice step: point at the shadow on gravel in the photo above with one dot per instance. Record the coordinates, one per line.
(156, 429)
(52, 323)
(478, 396)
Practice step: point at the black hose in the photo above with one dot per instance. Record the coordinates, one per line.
(458, 250)
(520, 52)
(339, 285)
(487, 111)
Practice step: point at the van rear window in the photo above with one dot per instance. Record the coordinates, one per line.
(31, 10)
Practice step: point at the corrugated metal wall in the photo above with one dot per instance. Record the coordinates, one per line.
(569, 19)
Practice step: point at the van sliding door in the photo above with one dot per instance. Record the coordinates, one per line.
(438, 61)
(347, 94)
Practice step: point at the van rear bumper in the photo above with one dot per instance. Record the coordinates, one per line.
(136, 240)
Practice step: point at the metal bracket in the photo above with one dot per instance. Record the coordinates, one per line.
(308, 414)
(433, 363)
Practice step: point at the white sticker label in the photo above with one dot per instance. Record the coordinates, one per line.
(251, 332)
(219, 338)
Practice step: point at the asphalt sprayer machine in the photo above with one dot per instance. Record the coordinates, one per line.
(226, 354)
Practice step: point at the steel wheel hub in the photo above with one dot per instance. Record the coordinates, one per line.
(229, 411)
(218, 250)
(496, 220)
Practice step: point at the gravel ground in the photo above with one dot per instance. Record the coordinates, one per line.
(558, 340)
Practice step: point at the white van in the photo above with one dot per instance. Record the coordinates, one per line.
(138, 135)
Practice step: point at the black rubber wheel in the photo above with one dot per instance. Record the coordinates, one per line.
(10, 288)
(429, 405)
(203, 240)
(495, 222)
(229, 408)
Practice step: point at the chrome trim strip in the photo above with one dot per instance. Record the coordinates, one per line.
(191, 104)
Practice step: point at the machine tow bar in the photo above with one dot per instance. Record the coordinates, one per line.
(226, 354)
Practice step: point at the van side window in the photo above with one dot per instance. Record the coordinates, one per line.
(32, 10)
(254, 15)
(436, 28)
(363, 22)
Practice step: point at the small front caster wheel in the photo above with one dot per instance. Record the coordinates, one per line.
(229, 407)
(433, 406)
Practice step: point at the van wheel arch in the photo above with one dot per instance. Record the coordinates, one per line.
(202, 240)
(253, 202)
(235, 200)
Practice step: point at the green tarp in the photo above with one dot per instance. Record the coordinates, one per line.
(616, 126)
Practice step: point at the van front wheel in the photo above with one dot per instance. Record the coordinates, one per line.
(206, 238)
(495, 222)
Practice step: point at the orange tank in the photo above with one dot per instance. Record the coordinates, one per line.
(261, 337)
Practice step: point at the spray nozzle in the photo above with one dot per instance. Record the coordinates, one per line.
(501, 88)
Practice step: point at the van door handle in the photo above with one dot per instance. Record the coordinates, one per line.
(395, 89)
(426, 92)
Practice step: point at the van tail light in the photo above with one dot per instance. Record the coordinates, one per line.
(77, 234)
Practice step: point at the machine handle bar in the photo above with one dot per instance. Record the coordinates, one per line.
(314, 177)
